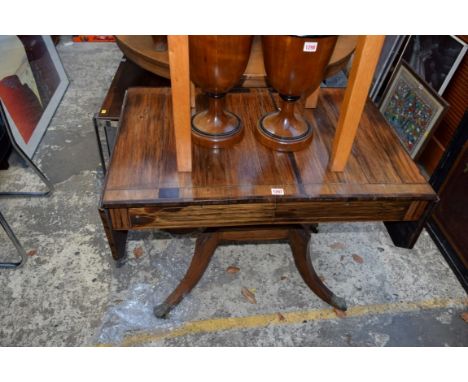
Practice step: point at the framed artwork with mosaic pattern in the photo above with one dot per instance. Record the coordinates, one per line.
(412, 108)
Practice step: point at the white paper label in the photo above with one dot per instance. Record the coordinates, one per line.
(277, 191)
(310, 46)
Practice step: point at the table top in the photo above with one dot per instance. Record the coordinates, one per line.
(143, 168)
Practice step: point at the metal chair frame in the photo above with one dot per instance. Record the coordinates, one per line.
(13, 194)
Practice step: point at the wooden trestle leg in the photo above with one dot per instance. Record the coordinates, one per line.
(299, 241)
(298, 238)
(204, 249)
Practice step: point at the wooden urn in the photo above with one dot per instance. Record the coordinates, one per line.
(295, 66)
(216, 65)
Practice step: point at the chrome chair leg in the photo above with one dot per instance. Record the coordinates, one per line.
(98, 139)
(39, 173)
(16, 243)
(9, 194)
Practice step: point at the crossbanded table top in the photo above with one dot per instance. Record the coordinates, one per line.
(143, 167)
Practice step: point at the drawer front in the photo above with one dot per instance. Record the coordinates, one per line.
(202, 215)
(265, 213)
(335, 211)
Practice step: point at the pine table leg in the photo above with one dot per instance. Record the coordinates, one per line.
(181, 102)
(365, 60)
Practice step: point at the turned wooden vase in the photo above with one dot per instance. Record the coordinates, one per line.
(295, 66)
(216, 65)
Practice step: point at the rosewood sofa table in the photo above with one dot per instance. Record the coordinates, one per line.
(249, 192)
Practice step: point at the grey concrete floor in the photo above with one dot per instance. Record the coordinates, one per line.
(70, 294)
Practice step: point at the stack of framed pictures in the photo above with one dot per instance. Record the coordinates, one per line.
(32, 83)
(434, 59)
(389, 58)
(412, 101)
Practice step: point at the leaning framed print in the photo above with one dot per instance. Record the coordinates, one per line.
(435, 58)
(32, 83)
(412, 108)
(389, 58)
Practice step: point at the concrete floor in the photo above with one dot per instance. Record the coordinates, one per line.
(70, 294)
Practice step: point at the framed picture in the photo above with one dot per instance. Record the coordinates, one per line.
(434, 58)
(412, 108)
(32, 83)
(389, 57)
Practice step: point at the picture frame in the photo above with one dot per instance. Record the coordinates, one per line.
(32, 84)
(412, 108)
(389, 57)
(434, 58)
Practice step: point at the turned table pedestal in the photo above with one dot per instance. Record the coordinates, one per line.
(249, 192)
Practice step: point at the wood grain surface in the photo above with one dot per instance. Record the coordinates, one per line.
(216, 65)
(143, 174)
(178, 48)
(141, 50)
(360, 78)
(290, 69)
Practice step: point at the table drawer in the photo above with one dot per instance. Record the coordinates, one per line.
(215, 215)
(210, 215)
(359, 210)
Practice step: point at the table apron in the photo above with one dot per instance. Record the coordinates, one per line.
(244, 214)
